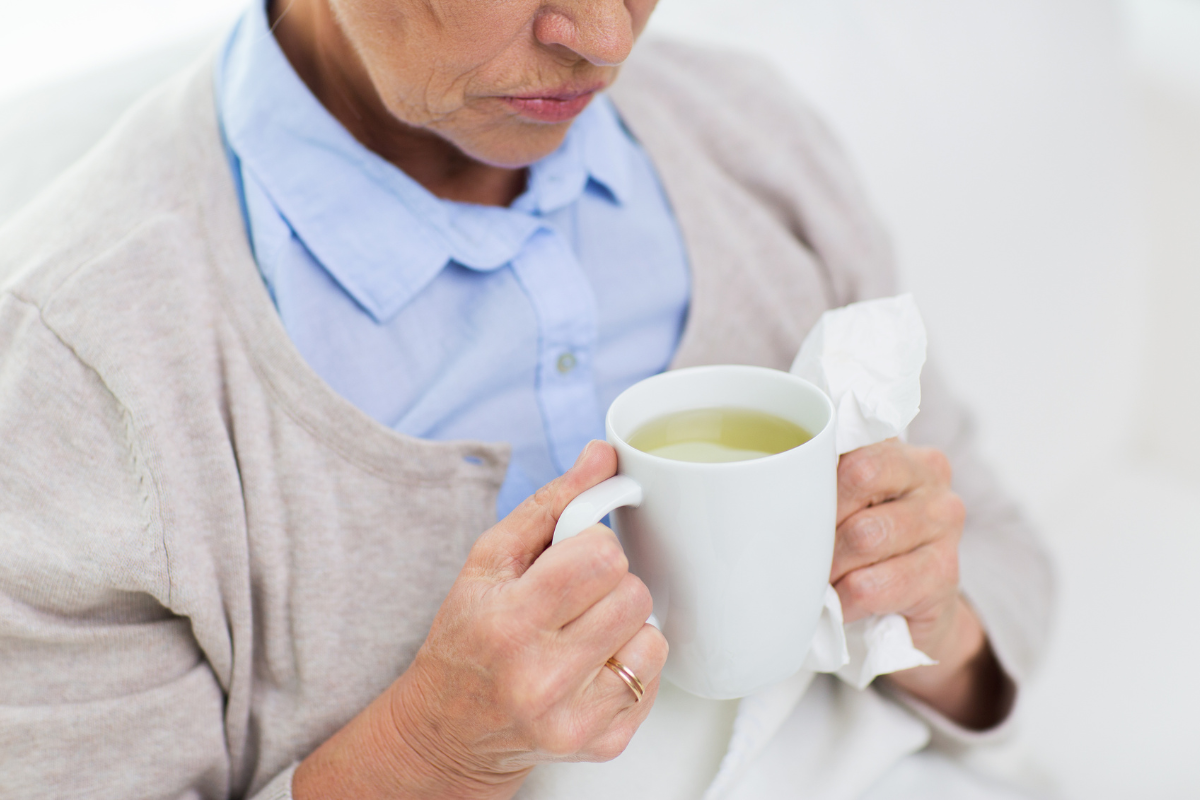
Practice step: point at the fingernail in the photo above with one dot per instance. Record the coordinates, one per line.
(584, 452)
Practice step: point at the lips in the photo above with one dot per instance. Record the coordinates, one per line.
(558, 106)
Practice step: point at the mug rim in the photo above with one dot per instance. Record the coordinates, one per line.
(675, 374)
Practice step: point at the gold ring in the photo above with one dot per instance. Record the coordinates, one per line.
(626, 675)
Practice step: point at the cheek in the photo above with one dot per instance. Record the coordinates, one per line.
(426, 58)
(419, 93)
(418, 83)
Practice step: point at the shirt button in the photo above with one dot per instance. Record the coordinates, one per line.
(566, 363)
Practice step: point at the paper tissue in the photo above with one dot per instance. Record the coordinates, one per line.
(867, 357)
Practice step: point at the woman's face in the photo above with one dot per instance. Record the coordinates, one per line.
(500, 79)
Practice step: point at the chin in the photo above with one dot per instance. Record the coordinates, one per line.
(517, 146)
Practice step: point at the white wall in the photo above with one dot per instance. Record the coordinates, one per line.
(1166, 45)
(42, 40)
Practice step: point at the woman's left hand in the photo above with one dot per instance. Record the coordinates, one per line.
(898, 528)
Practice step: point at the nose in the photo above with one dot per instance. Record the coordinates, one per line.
(599, 30)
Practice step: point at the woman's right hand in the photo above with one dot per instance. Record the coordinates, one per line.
(512, 673)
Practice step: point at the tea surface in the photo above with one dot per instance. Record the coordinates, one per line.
(717, 435)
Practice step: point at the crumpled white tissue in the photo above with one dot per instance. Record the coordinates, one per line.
(863, 650)
(867, 357)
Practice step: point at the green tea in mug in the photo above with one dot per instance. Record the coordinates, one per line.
(716, 435)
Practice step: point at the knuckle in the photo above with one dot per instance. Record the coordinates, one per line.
(544, 496)
(565, 741)
(593, 555)
(607, 752)
(532, 694)
(858, 471)
(947, 565)
(859, 588)
(613, 745)
(950, 510)
(639, 596)
(607, 556)
(864, 534)
(937, 462)
(659, 649)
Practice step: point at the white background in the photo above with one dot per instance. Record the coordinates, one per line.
(1038, 162)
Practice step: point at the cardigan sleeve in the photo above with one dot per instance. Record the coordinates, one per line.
(1005, 571)
(104, 692)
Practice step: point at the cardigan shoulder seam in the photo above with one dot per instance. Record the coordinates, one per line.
(148, 484)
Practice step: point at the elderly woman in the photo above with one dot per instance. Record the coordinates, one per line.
(278, 354)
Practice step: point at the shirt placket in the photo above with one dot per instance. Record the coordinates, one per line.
(562, 298)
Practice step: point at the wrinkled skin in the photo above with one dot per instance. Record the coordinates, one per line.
(442, 64)
(423, 82)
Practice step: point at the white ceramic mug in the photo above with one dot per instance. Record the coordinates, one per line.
(736, 555)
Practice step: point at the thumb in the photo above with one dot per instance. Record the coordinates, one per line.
(511, 546)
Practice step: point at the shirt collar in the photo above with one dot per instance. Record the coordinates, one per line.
(382, 236)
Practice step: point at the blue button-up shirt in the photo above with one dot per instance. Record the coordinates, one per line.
(448, 320)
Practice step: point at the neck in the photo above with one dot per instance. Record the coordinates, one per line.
(318, 50)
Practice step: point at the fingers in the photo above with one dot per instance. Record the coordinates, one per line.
(897, 550)
(508, 549)
(571, 577)
(909, 584)
(613, 620)
(644, 655)
(880, 532)
(602, 712)
(884, 471)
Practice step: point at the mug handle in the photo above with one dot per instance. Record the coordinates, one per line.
(592, 505)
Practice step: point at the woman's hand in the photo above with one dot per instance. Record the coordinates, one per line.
(899, 525)
(512, 672)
